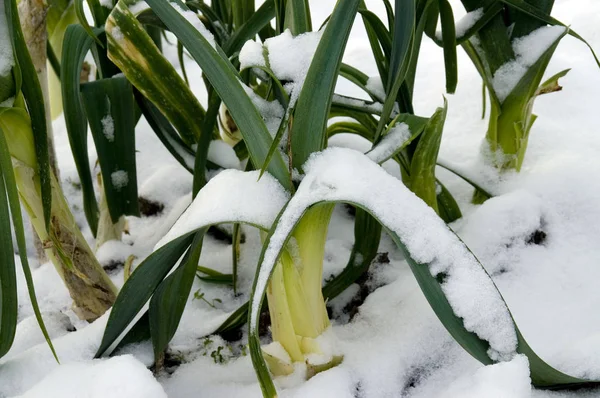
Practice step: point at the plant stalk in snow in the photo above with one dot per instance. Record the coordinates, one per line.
(90, 288)
(296, 305)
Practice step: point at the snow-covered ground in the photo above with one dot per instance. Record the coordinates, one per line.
(394, 346)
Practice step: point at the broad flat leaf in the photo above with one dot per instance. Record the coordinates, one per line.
(133, 51)
(75, 47)
(308, 133)
(110, 110)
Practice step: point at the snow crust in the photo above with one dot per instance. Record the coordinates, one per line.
(138, 7)
(527, 50)
(289, 57)
(390, 143)
(375, 86)
(118, 377)
(221, 153)
(119, 179)
(465, 23)
(342, 174)
(108, 127)
(107, 3)
(503, 380)
(232, 196)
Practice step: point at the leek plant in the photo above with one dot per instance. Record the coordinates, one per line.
(24, 128)
(285, 136)
(511, 42)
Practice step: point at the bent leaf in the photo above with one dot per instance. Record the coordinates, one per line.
(453, 281)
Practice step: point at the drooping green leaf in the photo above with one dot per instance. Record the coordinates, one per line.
(110, 110)
(308, 134)
(533, 11)
(139, 288)
(10, 185)
(169, 299)
(75, 47)
(449, 40)
(374, 24)
(83, 21)
(433, 278)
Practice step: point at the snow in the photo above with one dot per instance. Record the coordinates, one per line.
(289, 57)
(372, 107)
(254, 201)
(108, 127)
(8, 103)
(116, 33)
(119, 179)
(221, 153)
(390, 143)
(107, 3)
(527, 50)
(113, 251)
(465, 23)
(6, 54)
(251, 55)
(503, 380)
(138, 7)
(194, 20)
(118, 377)
(375, 86)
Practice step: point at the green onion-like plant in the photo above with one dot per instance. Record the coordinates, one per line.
(295, 215)
(23, 124)
(511, 42)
